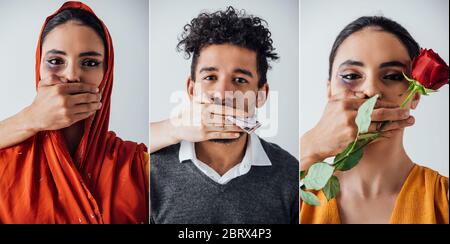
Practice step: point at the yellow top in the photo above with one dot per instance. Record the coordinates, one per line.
(423, 199)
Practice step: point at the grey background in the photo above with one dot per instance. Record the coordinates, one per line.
(169, 69)
(427, 21)
(20, 24)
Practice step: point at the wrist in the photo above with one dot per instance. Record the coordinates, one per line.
(309, 151)
(28, 122)
(169, 126)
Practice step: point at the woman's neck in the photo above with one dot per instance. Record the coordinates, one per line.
(382, 170)
(72, 136)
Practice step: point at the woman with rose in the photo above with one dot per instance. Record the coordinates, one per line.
(369, 57)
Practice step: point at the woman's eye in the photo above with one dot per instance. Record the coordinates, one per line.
(394, 77)
(349, 78)
(55, 61)
(240, 80)
(90, 63)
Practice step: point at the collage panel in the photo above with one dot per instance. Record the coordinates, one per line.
(73, 129)
(201, 117)
(224, 107)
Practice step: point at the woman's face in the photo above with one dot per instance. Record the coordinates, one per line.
(371, 61)
(74, 53)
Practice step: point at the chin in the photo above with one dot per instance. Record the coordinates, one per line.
(227, 141)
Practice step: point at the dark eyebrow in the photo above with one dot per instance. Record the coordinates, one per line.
(352, 62)
(206, 69)
(91, 53)
(84, 54)
(243, 71)
(54, 51)
(393, 64)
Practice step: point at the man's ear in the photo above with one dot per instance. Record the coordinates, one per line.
(328, 89)
(415, 101)
(190, 87)
(261, 96)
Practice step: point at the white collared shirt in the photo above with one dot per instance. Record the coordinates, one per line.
(254, 156)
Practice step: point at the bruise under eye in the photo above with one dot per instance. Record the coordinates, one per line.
(54, 61)
(349, 78)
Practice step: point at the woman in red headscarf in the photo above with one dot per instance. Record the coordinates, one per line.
(64, 165)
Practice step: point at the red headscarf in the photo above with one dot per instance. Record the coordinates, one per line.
(105, 182)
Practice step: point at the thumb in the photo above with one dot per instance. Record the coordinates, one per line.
(50, 81)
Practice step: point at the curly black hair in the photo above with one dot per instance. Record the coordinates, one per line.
(229, 27)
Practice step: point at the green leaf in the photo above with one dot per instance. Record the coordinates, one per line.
(414, 84)
(352, 159)
(302, 174)
(318, 175)
(421, 89)
(309, 198)
(340, 156)
(363, 117)
(411, 87)
(332, 188)
(428, 91)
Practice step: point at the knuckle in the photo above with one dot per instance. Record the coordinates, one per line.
(349, 120)
(91, 106)
(68, 121)
(352, 133)
(342, 105)
(400, 113)
(65, 112)
(62, 101)
(382, 113)
(59, 89)
(85, 97)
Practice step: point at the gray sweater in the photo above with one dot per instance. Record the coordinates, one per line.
(181, 194)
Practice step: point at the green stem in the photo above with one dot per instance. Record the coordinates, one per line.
(351, 151)
(353, 145)
(409, 97)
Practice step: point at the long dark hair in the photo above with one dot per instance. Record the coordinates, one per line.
(384, 24)
(79, 15)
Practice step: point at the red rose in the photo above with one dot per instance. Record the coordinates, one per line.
(430, 70)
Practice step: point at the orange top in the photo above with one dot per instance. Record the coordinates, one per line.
(423, 199)
(105, 182)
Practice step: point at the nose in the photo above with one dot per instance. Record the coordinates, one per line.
(223, 89)
(71, 73)
(371, 86)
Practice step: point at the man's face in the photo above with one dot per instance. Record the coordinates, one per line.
(227, 74)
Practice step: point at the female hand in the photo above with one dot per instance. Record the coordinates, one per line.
(337, 127)
(59, 104)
